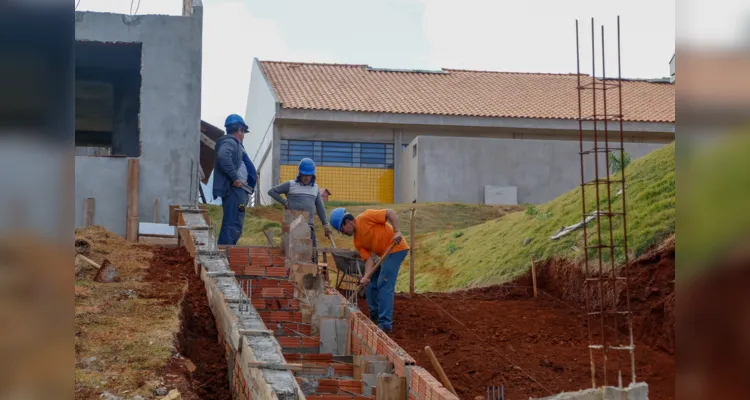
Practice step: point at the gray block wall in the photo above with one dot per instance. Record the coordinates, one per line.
(457, 169)
(170, 97)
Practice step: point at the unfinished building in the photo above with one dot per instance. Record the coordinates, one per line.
(138, 100)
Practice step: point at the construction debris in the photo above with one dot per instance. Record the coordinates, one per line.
(566, 230)
(107, 273)
(83, 246)
(85, 267)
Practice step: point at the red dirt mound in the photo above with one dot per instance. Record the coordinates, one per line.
(652, 293)
(501, 335)
(198, 336)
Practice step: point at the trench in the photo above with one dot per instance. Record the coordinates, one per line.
(204, 376)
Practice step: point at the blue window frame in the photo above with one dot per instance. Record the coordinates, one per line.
(339, 154)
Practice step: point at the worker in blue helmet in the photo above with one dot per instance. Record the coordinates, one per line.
(375, 232)
(234, 179)
(303, 194)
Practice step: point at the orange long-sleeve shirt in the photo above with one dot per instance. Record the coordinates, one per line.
(373, 234)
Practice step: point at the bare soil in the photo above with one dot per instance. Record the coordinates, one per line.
(535, 347)
(138, 334)
(197, 340)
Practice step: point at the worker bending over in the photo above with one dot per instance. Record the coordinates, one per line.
(234, 179)
(302, 194)
(373, 235)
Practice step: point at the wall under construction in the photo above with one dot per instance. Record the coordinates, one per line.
(288, 334)
(159, 124)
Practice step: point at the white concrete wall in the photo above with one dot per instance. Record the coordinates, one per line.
(260, 114)
(457, 169)
(170, 111)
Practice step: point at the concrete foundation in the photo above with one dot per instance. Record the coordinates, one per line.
(638, 391)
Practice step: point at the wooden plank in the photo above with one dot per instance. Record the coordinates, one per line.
(89, 261)
(88, 211)
(439, 369)
(533, 276)
(156, 210)
(207, 141)
(173, 215)
(411, 252)
(388, 387)
(131, 229)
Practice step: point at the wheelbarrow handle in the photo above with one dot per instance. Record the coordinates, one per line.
(369, 273)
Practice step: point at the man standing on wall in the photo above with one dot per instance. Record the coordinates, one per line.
(234, 179)
(303, 194)
(374, 235)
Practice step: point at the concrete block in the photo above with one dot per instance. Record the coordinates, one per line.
(503, 195)
(369, 382)
(333, 333)
(637, 391)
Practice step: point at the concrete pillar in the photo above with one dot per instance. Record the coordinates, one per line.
(289, 217)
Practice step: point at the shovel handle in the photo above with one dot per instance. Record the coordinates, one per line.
(368, 274)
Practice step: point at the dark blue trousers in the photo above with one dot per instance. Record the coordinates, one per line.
(234, 216)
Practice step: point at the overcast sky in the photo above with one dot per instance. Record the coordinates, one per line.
(500, 35)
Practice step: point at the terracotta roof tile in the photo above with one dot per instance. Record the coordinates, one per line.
(341, 87)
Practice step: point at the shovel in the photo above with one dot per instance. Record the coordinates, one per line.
(372, 271)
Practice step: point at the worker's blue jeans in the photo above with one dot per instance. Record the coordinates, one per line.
(381, 289)
(234, 215)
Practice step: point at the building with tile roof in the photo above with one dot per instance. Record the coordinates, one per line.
(363, 125)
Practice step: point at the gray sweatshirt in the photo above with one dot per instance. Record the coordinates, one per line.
(301, 198)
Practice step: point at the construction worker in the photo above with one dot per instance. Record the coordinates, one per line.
(374, 231)
(234, 179)
(302, 194)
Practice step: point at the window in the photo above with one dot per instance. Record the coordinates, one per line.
(107, 99)
(414, 151)
(338, 154)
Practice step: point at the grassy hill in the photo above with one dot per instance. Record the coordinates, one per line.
(494, 252)
(460, 246)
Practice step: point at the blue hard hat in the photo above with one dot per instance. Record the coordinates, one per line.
(235, 119)
(337, 216)
(307, 167)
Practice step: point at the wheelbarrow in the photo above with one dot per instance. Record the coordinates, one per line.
(349, 264)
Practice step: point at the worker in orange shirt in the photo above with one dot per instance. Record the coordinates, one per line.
(374, 231)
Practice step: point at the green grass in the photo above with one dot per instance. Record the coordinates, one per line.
(494, 252)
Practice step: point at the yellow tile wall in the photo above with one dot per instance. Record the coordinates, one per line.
(350, 184)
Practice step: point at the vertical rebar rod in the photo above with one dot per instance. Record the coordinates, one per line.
(583, 205)
(624, 213)
(612, 273)
(598, 211)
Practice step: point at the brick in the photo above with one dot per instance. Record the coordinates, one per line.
(279, 293)
(255, 271)
(259, 304)
(277, 272)
(261, 261)
(309, 357)
(280, 316)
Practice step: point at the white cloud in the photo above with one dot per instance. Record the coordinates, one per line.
(232, 37)
(539, 36)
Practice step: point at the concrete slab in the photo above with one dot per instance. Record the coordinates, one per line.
(500, 195)
(333, 336)
(638, 391)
